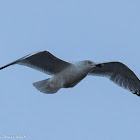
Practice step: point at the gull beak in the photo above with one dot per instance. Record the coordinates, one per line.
(100, 65)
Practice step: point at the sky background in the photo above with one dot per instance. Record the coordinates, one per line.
(73, 30)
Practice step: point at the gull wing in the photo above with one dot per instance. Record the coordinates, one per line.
(119, 74)
(43, 61)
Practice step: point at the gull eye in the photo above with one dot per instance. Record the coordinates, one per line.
(89, 62)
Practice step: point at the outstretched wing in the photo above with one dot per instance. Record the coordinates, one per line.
(119, 74)
(43, 61)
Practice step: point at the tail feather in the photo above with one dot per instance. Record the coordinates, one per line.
(45, 86)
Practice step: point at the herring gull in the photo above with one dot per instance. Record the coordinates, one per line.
(66, 74)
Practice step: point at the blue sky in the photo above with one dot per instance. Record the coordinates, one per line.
(73, 30)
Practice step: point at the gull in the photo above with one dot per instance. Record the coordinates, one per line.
(67, 75)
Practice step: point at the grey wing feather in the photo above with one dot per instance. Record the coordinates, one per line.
(43, 61)
(119, 74)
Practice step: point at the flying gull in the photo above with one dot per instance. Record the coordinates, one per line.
(66, 74)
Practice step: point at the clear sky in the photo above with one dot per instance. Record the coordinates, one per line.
(73, 30)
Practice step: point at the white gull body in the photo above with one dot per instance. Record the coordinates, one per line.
(68, 77)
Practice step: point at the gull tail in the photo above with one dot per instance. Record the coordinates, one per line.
(46, 86)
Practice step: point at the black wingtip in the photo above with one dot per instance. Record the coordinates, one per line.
(3, 67)
(8, 65)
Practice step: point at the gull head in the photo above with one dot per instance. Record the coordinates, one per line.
(86, 64)
(89, 63)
